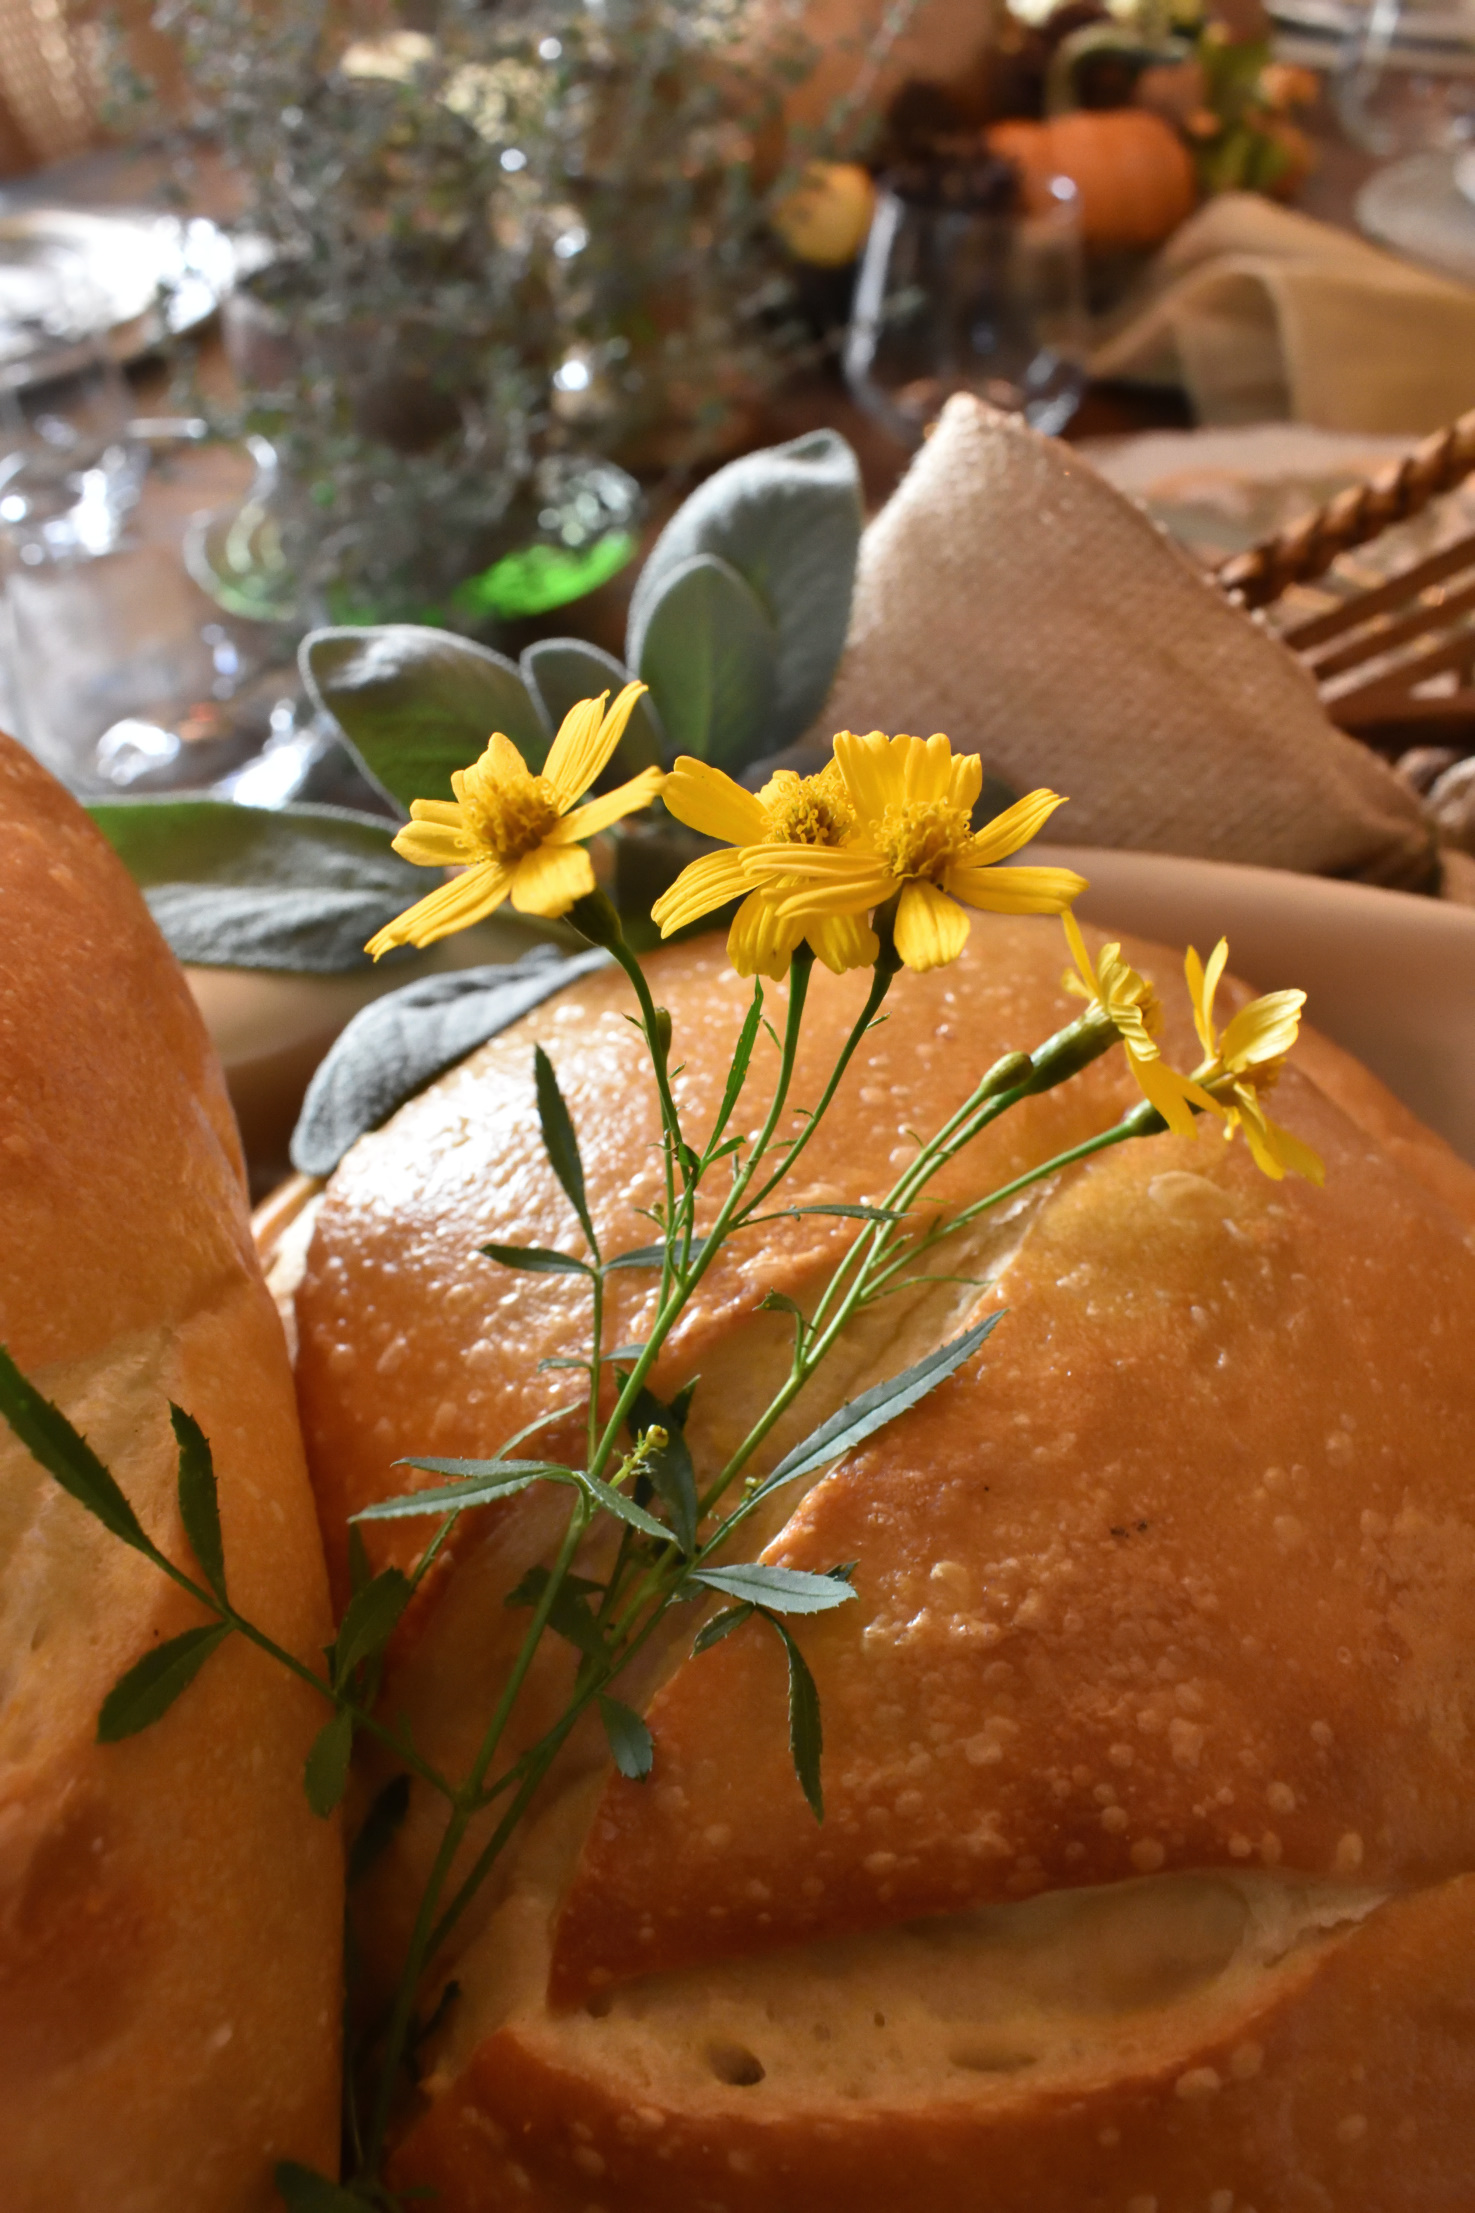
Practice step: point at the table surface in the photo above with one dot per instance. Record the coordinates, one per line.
(191, 479)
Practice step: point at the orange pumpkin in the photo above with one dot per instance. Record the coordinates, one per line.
(1132, 170)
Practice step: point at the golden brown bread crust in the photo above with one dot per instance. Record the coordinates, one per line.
(1177, 1576)
(1349, 2084)
(169, 1908)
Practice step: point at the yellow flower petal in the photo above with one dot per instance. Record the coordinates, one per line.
(1013, 828)
(585, 741)
(965, 782)
(843, 941)
(760, 942)
(445, 811)
(874, 773)
(1202, 984)
(706, 800)
(1167, 1090)
(931, 928)
(927, 766)
(865, 882)
(701, 886)
(548, 880)
(499, 763)
(1295, 1155)
(1263, 1031)
(1017, 890)
(455, 906)
(1086, 973)
(600, 813)
(435, 845)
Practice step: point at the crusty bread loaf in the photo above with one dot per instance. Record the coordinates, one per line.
(1148, 1746)
(169, 1907)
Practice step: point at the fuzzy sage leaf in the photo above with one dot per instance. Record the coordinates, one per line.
(199, 1502)
(66, 1455)
(629, 1739)
(151, 1685)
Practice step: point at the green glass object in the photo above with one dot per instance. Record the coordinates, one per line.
(538, 577)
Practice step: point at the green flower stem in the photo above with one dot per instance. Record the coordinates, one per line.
(362, 1719)
(686, 1280)
(421, 1948)
(881, 980)
(1142, 1120)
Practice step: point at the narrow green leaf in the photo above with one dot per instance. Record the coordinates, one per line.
(481, 1482)
(853, 1213)
(742, 1054)
(568, 1616)
(720, 1626)
(644, 1256)
(359, 1570)
(629, 1739)
(681, 1400)
(559, 1141)
(669, 1469)
(66, 1456)
(861, 1417)
(381, 1824)
(538, 1260)
(152, 1684)
(325, 1776)
(625, 1509)
(531, 1587)
(621, 1352)
(784, 1590)
(369, 1621)
(199, 1503)
(304, 2190)
(806, 1735)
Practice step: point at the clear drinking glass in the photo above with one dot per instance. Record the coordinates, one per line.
(1405, 80)
(959, 297)
(69, 473)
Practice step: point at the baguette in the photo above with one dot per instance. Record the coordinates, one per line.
(170, 1910)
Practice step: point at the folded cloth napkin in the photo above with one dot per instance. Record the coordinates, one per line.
(1009, 596)
(1262, 314)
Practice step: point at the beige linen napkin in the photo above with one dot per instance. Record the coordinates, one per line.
(1262, 314)
(1009, 596)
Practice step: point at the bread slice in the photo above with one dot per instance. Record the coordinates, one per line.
(170, 1909)
(1199, 2043)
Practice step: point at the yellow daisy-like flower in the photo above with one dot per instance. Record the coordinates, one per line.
(1245, 1061)
(913, 841)
(1131, 1005)
(791, 818)
(515, 834)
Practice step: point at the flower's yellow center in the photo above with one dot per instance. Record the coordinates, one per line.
(919, 837)
(808, 810)
(510, 819)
